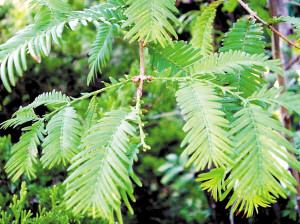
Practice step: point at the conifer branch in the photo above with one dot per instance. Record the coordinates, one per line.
(254, 15)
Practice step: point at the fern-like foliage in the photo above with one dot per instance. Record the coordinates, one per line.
(48, 98)
(36, 38)
(258, 175)
(108, 12)
(207, 139)
(233, 61)
(61, 144)
(112, 18)
(245, 154)
(132, 155)
(26, 114)
(179, 58)
(247, 81)
(274, 97)
(52, 17)
(287, 19)
(91, 115)
(57, 8)
(100, 52)
(214, 182)
(101, 174)
(20, 117)
(24, 154)
(202, 29)
(246, 36)
(148, 20)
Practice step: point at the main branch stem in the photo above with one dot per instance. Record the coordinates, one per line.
(142, 76)
(139, 93)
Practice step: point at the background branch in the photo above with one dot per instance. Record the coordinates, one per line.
(272, 28)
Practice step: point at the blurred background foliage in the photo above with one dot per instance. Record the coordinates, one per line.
(170, 193)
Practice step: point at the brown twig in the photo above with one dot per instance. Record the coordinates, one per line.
(291, 63)
(139, 93)
(141, 77)
(254, 15)
(165, 114)
(142, 70)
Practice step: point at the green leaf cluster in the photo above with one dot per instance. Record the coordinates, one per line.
(222, 96)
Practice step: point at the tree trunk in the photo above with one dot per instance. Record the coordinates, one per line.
(278, 8)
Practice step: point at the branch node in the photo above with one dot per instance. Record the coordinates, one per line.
(149, 78)
(136, 79)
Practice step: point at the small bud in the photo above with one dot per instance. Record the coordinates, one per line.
(149, 78)
(136, 79)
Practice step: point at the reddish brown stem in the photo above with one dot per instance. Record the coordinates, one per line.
(142, 70)
(254, 15)
(139, 92)
(141, 77)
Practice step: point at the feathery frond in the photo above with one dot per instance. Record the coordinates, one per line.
(246, 81)
(38, 43)
(274, 96)
(202, 29)
(101, 48)
(214, 182)
(258, 175)
(246, 36)
(63, 138)
(102, 174)
(20, 117)
(24, 153)
(287, 19)
(91, 116)
(47, 98)
(100, 177)
(25, 114)
(207, 139)
(132, 156)
(111, 19)
(49, 23)
(148, 20)
(232, 61)
(55, 6)
(37, 38)
(108, 12)
(179, 58)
